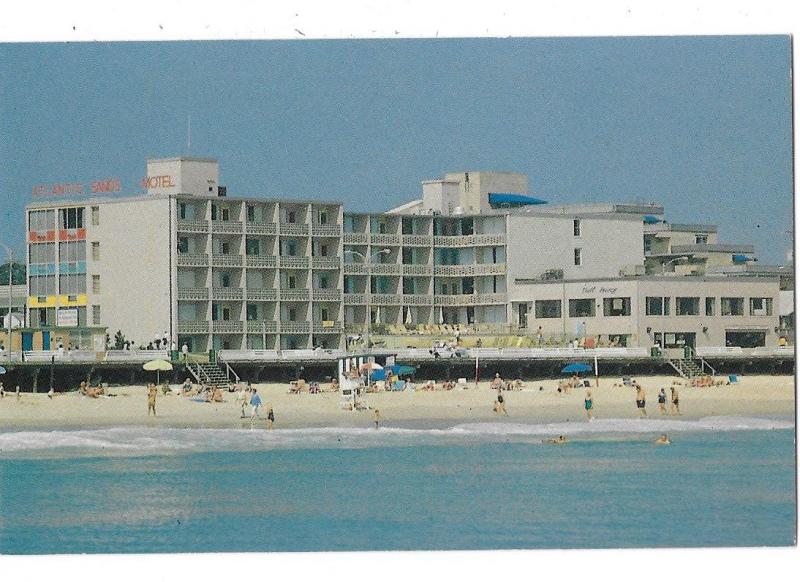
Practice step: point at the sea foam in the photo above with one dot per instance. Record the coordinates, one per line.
(153, 441)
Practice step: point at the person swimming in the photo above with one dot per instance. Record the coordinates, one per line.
(663, 440)
(559, 440)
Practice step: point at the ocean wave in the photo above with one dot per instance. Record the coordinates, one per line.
(150, 441)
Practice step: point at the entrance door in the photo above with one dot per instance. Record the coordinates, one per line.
(45, 340)
(27, 341)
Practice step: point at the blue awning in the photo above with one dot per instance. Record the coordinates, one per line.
(742, 258)
(650, 219)
(501, 199)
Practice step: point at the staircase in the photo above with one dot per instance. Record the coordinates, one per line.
(691, 367)
(216, 374)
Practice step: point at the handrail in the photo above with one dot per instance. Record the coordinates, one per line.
(230, 371)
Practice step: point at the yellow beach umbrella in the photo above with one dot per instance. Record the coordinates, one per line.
(157, 366)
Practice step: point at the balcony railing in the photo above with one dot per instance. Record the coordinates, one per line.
(417, 269)
(294, 229)
(385, 268)
(199, 326)
(327, 327)
(386, 299)
(417, 240)
(294, 294)
(490, 299)
(226, 227)
(260, 227)
(355, 238)
(198, 226)
(262, 326)
(470, 299)
(355, 299)
(294, 327)
(471, 240)
(220, 260)
(192, 294)
(384, 239)
(469, 270)
(264, 261)
(227, 294)
(355, 269)
(325, 262)
(262, 295)
(417, 299)
(287, 262)
(231, 326)
(326, 229)
(186, 260)
(326, 295)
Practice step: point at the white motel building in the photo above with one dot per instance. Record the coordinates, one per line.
(476, 251)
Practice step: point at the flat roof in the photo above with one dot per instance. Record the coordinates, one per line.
(183, 159)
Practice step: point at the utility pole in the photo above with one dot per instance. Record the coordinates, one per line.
(8, 321)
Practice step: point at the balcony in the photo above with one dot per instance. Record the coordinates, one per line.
(417, 269)
(327, 327)
(227, 294)
(490, 299)
(326, 230)
(186, 260)
(471, 240)
(199, 326)
(231, 326)
(489, 269)
(294, 327)
(488, 240)
(294, 294)
(326, 295)
(220, 260)
(469, 270)
(386, 299)
(355, 238)
(417, 240)
(262, 295)
(325, 262)
(196, 226)
(385, 239)
(355, 299)
(263, 326)
(192, 294)
(260, 261)
(260, 228)
(355, 269)
(385, 268)
(294, 229)
(454, 300)
(287, 262)
(226, 227)
(417, 299)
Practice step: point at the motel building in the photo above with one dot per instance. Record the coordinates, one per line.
(476, 252)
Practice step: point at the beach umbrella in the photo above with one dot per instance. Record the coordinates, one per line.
(577, 368)
(2, 370)
(404, 370)
(370, 366)
(157, 366)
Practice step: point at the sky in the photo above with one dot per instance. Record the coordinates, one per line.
(700, 124)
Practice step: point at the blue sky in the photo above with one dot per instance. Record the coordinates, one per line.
(702, 125)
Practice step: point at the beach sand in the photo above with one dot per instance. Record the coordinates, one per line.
(752, 396)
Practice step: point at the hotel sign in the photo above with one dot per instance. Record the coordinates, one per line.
(105, 186)
(67, 318)
(158, 182)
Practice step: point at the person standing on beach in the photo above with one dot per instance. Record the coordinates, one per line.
(2, 391)
(244, 399)
(500, 404)
(376, 418)
(18, 394)
(640, 400)
(587, 404)
(675, 408)
(662, 402)
(185, 352)
(151, 399)
(270, 417)
(50, 393)
(255, 403)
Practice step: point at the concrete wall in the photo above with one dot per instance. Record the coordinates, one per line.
(196, 176)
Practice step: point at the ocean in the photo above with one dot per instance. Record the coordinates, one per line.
(723, 482)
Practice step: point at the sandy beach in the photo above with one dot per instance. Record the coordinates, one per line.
(751, 396)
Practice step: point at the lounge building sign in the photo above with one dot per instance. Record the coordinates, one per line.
(106, 186)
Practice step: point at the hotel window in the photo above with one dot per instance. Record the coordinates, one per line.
(522, 315)
(225, 213)
(576, 227)
(687, 306)
(700, 239)
(292, 314)
(71, 284)
(349, 223)
(349, 284)
(224, 279)
(407, 226)
(732, 306)
(323, 217)
(291, 248)
(95, 251)
(617, 306)
(96, 284)
(183, 244)
(547, 309)
(95, 315)
(95, 216)
(324, 314)
(225, 247)
(252, 246)
(226, 313)
(182, 210)
(323, 250)
(213, 212)
(291, 282)
(657, 306)
(581, 308)
(578, 258)
(710, 301)
(648, 244)
(409, 285)
(761, 306)
(291, 216)
(251, 213)
(252, 312)
(71, 218)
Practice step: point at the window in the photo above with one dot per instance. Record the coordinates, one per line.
(71, 284)
(71, 218)
(581, 307)
(687, 306)
(42, 220)
(95, 315)
(252, 312)
(42, 253)
(576, 228)
(349, 284)
(710, 302)
(251, 213)
(617, 306)
(323, 217)
(656, 306)
(213, 212)
(578, 258)
(72, 252)
(252, 246)
(732, 306)
(761, 306)
(409, 285)
(700, 239)
(224, 279)
(225, 213)
(225, 247)
(292, 314)
(96, 284)
(548, 309)
(182, 210)
(291, 282)
(323, 250)
(648, 244)
(407, 226)
(323, 281)
(291, 216)
(226, 313)
(291, 248)
(95, 216)
(42, 286)
(95, 251)
(522, 312)
(183, 244)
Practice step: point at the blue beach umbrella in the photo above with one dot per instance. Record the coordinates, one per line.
(2, 370)
(576, 368)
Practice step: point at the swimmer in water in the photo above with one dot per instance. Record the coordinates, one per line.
(559, 440)
(663, 440)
